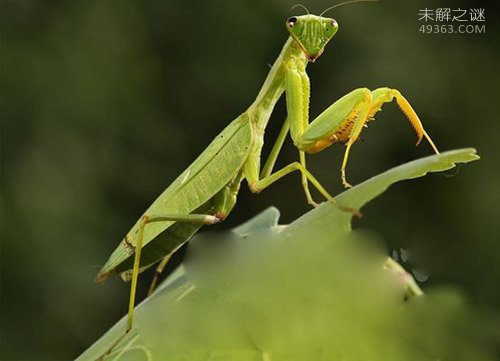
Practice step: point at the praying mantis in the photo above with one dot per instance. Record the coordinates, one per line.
(205, 193)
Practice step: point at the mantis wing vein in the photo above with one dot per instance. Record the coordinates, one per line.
(206, 176)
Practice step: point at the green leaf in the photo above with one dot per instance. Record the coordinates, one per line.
(311, 282)
(334, 221)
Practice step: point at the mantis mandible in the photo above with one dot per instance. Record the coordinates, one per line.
(205, 193)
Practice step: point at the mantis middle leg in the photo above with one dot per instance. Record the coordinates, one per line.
(258, 181)
(273, 156)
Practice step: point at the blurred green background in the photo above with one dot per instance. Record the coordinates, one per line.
(104, 103)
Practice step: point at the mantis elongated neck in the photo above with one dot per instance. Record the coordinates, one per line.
(273, 86)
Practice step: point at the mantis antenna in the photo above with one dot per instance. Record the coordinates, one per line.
(300, 6)
(344, 3)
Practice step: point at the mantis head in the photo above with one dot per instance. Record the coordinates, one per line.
(312, 33)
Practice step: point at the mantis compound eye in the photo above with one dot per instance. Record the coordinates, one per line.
(291, 21)
(334, 23)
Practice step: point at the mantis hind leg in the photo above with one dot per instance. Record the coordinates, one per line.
(158, 272)
(273, 156)
(223, 203)
(145, 220)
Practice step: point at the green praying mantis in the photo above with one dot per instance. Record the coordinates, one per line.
(205, 193)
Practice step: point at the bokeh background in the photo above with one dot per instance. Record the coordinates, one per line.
(105, 102)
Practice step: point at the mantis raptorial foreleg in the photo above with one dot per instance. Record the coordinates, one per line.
(373, 104)
(344, 120)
